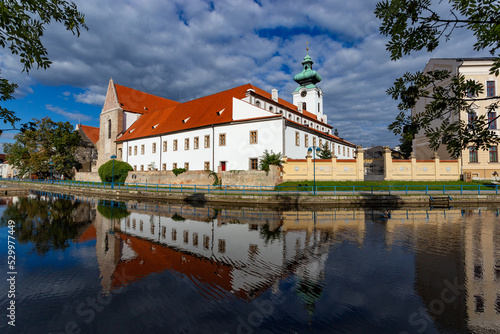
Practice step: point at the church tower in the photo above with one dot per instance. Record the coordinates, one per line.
(307, 96)
(111, 125)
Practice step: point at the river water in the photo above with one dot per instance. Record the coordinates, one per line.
(86, 265)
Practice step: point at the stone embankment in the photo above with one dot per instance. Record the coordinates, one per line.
(290, 200)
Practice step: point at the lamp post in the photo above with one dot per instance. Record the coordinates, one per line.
(51, 163)
(113, 172)
(314, 150)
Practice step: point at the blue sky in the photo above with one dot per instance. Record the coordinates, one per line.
(183, 50)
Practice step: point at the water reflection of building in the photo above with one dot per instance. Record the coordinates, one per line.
(457, 264)
(244, 253)
(482, 272)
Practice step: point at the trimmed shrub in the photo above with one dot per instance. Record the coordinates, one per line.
(178, 171)
(121, 171)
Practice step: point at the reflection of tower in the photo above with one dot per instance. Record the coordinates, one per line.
(107, 250)
(482, 272)
(311, 272)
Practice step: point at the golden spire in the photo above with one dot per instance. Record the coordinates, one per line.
(307, 47)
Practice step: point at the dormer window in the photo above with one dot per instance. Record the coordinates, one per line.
(185, 120)
(155, 126)
(131, 131)
(271, 109)
(220, 112)
(257, 104)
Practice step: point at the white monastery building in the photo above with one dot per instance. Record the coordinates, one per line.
(225, 131)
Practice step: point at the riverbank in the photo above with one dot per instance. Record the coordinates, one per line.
(287, 200)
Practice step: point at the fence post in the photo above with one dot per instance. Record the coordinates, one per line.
(195, 188)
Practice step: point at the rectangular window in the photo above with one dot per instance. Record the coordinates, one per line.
(320, 142)
(222, 246)
(153, 149)
(306, 140)
(174, 165)
(164, 166)
(174, 234)
(343, 150)
(142, 149)
(338, 150)
(207, 141)
(206, 241)
(490, 88)
(253, 137)
(186, 237)
(348, 151)
(492, 121)
(207, 165)
(471, 117)
(165, 146)
(196, 143)
(175, 145)
(297, 138)
(472, 154)
(186, 165)
(135, 150)
(186, 144)
(493, 154)
(142, 168)
(130, 150)
(135, 168)
(195, 239)
(314, 141)
(254, 163)
(222, 139)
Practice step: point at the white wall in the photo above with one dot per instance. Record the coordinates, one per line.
(236, 152)
(293, 151)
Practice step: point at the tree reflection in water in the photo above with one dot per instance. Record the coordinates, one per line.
(47, 222)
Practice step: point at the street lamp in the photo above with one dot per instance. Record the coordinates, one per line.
(51, 163)
(113, 172)
(314, 150)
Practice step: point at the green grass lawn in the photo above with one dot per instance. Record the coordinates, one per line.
(379, 185)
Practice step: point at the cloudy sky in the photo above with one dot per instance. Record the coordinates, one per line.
(187, 49)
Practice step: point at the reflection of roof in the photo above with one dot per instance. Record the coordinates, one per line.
(91, 132)
(140, 102)
(89, 234)
(214, 279)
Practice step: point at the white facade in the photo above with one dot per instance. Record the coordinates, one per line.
(229, 130)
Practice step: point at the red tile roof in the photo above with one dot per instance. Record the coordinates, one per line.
(205, 111)
(196, 113)
(140, 102)
(91, 132)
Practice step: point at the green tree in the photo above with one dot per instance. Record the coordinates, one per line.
(414, 25)
(121, 170)
(22, 25)
(48, 141)
(325, 152)
(270, 159)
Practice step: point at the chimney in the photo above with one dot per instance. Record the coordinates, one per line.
(336, 134)
(274, 94)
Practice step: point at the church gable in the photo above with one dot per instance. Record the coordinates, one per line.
(111, 101)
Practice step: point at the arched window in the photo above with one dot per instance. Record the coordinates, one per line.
(257, 103)
(271, 109)
(304, 106)
(109, 129)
